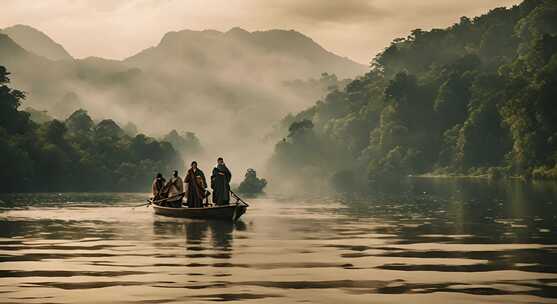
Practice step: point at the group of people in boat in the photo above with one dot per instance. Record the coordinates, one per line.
(195, 184)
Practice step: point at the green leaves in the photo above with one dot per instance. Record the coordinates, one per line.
(480, 94)
(75, 155)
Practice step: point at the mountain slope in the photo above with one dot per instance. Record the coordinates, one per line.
(476, 98)
(229, 88)
(24, 66)
(9, 49)
(289, 54)
(49, 89)
(37, 42)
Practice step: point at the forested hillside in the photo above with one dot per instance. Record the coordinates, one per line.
(213, 77)
(230, 88)
(479, 97)
(76, 154)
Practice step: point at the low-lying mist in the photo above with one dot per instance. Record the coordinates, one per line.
(230, 89)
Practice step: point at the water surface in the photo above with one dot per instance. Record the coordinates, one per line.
(431, 241)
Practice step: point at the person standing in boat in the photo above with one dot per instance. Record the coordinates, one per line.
(158, 187)
(220, 183)
(175, 187)
(196, 186)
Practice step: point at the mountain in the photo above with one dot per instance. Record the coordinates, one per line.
(60, 85)
(290, 54)
(9, 49)
(230, 88)
(25, 65)
(36, 42)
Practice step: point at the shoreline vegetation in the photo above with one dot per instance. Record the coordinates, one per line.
(537, 174)
(468, 176)
(252, 185)
(77, 154)
(473, 100)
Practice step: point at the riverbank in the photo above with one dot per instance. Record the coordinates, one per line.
(464, 176)
(537, 174)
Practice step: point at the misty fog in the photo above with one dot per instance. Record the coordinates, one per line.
(231, 89)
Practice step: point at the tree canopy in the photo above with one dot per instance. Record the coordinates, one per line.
(252, 185)
(475, 98)
(76, 154)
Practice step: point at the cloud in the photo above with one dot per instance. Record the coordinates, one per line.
(327, 11)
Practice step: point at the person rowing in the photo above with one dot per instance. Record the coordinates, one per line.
(175, 188)
(158, 187)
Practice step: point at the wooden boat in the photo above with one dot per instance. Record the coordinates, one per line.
(229, 212)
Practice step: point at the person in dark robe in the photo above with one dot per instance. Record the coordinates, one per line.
(158, 187)
(220, 183)
(195, 179)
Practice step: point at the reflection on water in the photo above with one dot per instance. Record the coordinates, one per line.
(440, 241)
(197, 231)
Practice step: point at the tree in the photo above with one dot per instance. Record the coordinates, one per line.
(79, 122)
(11, 119)
(252, 185)
(74, 155)
(477, 97)
(108, 128)
(54, 132)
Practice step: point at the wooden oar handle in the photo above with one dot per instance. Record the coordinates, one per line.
(167, 198)
(239, 198)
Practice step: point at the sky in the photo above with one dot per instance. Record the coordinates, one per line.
(357, 29)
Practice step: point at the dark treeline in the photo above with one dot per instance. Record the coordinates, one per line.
(477, 98)
(76, 154)
(252, 185)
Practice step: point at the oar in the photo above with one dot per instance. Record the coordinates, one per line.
(149, 203)
(157, 201)
(169, 198)
(239, 198)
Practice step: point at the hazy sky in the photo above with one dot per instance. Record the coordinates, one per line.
(119, 28)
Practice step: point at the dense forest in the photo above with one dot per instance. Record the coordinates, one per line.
(477, 98)
(77, 154)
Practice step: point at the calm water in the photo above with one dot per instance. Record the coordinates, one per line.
(432, 241)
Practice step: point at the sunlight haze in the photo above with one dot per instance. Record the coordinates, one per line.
(119, 29)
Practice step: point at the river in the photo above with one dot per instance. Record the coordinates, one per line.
(431, 241)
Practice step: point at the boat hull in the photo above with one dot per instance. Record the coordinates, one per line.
(229, 212)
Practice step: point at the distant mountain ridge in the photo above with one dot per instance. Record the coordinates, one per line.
(230, 88)
(36, 42)
(9, 48)
(295, 55)
(203, 48)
